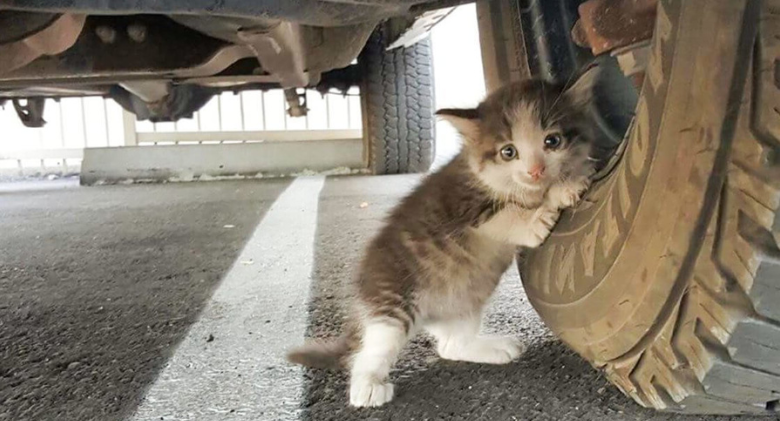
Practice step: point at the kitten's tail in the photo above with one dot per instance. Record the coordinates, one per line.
(320, 354)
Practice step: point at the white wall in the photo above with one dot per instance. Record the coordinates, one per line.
(457, 67)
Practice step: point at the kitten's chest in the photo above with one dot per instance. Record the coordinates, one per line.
(515, 226)
(469, 281)
(507, 219)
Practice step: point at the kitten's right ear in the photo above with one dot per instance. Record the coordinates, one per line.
(465, 120)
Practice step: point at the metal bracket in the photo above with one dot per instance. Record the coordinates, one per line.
(297, 103)
(420, 28)
(31, 114)
(279, 52)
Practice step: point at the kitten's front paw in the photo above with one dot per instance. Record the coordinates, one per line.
(568, 194)
(366, 392)
(543, 223)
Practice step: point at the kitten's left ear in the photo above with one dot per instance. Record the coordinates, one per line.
(580, 93)
(465, 121)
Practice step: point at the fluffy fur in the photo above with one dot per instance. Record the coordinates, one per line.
(443, 250)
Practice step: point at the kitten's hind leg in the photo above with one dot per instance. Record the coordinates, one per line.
(381, 342)
(458, 340)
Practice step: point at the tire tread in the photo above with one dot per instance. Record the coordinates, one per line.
(720, 352)
(398, 101)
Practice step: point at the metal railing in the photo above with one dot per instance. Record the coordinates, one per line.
(247, 117)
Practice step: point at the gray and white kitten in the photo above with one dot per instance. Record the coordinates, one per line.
(443, 250)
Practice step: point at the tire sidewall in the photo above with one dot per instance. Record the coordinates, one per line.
(613, 264)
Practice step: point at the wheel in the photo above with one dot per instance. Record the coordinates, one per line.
(397, 97)
(667, 275)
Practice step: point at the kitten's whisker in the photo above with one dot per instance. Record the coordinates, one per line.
(565, 87)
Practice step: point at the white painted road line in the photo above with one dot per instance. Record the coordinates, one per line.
(258, 312)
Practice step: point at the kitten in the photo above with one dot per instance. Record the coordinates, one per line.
(443, 250)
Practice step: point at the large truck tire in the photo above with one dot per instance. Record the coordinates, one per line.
(667, 275)
(398, 105)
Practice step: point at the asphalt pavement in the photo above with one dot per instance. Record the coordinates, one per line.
(176, 301)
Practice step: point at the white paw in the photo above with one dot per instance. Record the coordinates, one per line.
(544, 221)
(568, 198)
(500, 350)
(547, 217)
(538, 238)
(567, 194)
(486, 350)
(367, 392)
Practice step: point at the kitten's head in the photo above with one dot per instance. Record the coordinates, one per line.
(527, 135)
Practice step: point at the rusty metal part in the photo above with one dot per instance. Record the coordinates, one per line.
(579, 36)
(57, 37)
(322, 48)
(30, 113)
(177, 52)
(297, 103)
(280, 52)
(605, 25)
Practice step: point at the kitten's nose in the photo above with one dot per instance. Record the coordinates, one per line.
(536, 172)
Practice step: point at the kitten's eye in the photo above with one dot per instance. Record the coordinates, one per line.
(508, 153)
(553, 141)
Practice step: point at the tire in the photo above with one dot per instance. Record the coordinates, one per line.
(397, 96)
(501, 40)
(667, 275)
